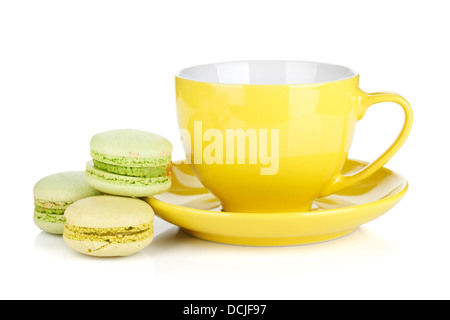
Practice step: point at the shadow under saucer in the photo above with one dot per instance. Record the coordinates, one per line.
(174, 251)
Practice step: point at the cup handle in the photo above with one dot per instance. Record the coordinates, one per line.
(365, 101)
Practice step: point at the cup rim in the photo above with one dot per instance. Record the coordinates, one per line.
(349, 74)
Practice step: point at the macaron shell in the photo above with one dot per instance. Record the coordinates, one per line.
(126, 186)
(100, 249)
(130, 144)
(61, 189)
(49, 222)
(109, 212)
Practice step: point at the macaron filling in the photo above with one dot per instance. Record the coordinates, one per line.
(132, 160)
(50, 211)
(141, 172)
(49, 218)
(51, 204)
(43, 210)
(109, 235)
(117, 179)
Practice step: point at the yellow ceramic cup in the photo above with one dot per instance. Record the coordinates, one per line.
(271, 136)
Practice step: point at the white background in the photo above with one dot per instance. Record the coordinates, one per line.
(71, 69)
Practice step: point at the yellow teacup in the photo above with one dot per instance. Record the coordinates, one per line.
(271, 136)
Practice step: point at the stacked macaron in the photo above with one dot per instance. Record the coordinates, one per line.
(98, 211)
(130, 163)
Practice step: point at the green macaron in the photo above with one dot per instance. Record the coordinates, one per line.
(130, 162)
(54, 193)
(109, 226)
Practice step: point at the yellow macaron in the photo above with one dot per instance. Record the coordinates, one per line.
(109, 226)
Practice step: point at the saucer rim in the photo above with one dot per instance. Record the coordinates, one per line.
(393, 197)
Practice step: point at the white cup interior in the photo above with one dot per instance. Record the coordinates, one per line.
(267, 72)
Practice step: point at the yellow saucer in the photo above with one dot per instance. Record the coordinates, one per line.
(194, 209)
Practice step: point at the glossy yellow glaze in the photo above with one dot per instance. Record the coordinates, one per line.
(193, 208)
(315, 122)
